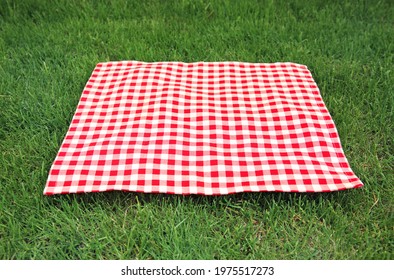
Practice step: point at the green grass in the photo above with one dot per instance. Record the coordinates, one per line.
(47, 53)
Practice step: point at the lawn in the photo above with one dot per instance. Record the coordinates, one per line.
(48, 50)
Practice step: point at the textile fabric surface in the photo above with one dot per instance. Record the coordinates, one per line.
(208, 128)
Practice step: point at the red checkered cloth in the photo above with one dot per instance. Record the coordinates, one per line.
(200, 128)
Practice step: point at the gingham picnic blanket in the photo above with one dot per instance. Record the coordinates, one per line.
(200, 128)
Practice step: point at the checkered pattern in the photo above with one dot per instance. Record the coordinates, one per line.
(200, 128)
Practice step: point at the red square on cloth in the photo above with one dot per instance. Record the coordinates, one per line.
(209, 128)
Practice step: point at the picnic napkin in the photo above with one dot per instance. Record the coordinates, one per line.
(200, 128)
